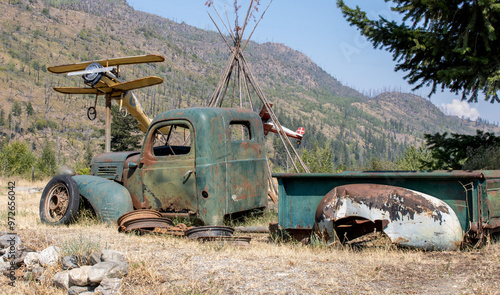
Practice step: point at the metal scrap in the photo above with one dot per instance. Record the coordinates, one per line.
(178, 230)
(146, 221)
(252, 229)
(209, 231)
(242, 241)
(407, 217)
(146, 224)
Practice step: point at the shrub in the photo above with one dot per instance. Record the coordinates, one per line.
(16, 159)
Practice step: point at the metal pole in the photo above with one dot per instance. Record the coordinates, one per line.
(107, 130)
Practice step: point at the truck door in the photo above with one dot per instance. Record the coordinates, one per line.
(168, 167)
(246, 172)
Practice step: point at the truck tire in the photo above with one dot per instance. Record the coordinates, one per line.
(60, 201)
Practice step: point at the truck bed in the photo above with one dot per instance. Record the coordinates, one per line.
(473, 195)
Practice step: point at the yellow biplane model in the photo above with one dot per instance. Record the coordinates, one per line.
(102, 77)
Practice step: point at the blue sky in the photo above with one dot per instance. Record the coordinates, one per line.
(317, 29)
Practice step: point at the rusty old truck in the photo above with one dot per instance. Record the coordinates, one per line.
(209, 163)
(205, 163)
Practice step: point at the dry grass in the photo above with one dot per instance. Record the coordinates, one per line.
(170, 265)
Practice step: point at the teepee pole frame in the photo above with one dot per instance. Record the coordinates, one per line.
(243, 77)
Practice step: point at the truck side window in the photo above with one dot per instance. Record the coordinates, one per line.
(172, 139)
(239, 131)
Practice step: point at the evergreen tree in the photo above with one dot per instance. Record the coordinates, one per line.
(46, 164)
(483, 158)
(379, 165)
(414, 159)
(453, 152)
(16, 109)
(2, 117)
(88, 154)
(318, 160)
(29, 109)
(455, 44)
(125, 135)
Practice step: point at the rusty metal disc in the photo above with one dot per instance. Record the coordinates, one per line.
(209, 231)
(137, 214)
(146, 224)
(236, 240)
(173, 231)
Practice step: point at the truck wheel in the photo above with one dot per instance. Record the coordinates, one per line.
(60, 201)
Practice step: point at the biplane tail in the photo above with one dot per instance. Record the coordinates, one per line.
(269, 125)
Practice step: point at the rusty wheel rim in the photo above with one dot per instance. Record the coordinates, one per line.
(56, 202)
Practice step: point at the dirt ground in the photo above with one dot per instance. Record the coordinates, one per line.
(171, 265)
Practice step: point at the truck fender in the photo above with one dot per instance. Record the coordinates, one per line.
(407, 217)
(109, 199)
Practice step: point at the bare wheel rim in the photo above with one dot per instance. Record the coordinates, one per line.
(56, 202)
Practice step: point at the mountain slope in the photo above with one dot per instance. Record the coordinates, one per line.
(38, 34)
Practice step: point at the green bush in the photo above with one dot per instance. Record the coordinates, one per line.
(41, 124)
(83, 171)
(46, 164)
(16, 159)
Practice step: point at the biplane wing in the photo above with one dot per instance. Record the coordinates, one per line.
(139, 83)
(107, 63)
(77, 90)
(92, 71)
(121, 87)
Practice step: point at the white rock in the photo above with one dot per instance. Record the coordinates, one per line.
(112, 255)
(70, 262)
(10, 240)
(74, 290)
(107, 269)
(109, 287)
(99, 271)
(79, 276)
(95, 258)
(61, 280)
(118, 257)
(49, 256)
(3, 264)
(31, 260)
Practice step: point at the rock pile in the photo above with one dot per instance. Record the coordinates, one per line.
(99, 273)
(13, 253)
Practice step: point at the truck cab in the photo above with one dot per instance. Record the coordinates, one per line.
(206, 162)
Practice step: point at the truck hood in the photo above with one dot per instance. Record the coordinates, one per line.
(110, 165)
(113, 157)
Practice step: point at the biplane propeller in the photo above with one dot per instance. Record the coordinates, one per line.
(102, 78)
(269, 126)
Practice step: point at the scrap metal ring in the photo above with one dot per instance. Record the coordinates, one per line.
(91, 113)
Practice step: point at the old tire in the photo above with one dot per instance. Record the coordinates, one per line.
(60, 201)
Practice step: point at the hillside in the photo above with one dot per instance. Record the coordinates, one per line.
(35, 34)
